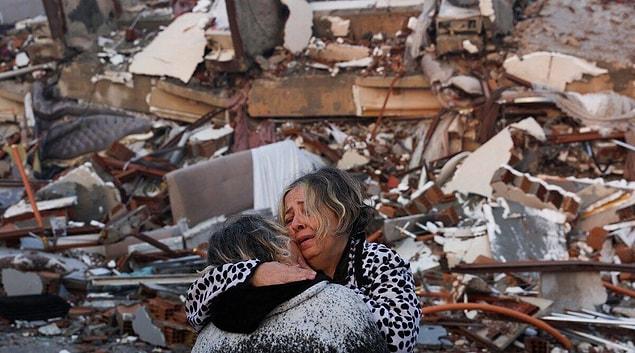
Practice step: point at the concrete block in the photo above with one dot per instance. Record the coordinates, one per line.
(573, 291)
(21, 283)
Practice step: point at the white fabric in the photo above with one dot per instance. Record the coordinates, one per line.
(275, 166)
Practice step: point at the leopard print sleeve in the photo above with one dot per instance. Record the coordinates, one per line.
(390, 295)
(211, 284)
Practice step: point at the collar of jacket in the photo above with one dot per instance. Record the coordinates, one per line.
(352, 253)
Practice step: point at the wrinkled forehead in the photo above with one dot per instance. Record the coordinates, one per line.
(294, 196)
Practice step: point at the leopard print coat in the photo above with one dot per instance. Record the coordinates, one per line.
(387, 288)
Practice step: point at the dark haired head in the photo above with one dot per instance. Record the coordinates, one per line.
(247, 238)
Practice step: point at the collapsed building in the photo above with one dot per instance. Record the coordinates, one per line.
(494, 139)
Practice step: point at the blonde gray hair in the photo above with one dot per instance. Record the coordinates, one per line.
(247, 238)
(334, 191)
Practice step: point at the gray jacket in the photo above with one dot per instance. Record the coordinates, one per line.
(324, 318)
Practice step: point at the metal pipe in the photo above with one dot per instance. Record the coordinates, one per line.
(503, 311)
(27, 186)
(26, 70)
(619, 290)
(606, 342)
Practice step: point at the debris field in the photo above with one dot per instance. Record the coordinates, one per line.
(495, 140)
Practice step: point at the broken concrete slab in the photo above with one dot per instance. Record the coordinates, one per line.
(145, 328)
(465, 250)
(95, 198)
(50, 330)
(408, 81)
(176, 51)
(606, 111)
(335, 52)
(403, 102)
(198, 93)
(518, 233)
(433, 336)
(550, 70)
(27, 260)
(419, 37)
(21, 283)
(352, 159)
(459, 29)
(23, 207)
(76, 81)
(175, 107)
(367, 17)
(605, 212)
(418, 254)
(10, 196)
(595, 195)
(531, 191)
(468, 84)
(424, 199)
(10, 111)
(298, 28)
(205, 142)
(14, 91)
(573, 290)
(434, 70)
(487, 159)
(292, 97)
(398, 228)
(338, 26)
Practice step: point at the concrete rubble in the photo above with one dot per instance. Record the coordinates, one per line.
(494, 138)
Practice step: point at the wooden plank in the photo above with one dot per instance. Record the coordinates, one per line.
(10, 110)
(207, 96)
(403, 102)
(365, 20)
(14, 91)
(75, 82)
(302, 96)
(54, 10)
(412, 81)
(173, 107)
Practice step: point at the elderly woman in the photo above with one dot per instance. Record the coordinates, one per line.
(324, 215)
(292, 317)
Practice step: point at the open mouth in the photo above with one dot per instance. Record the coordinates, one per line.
(305, 241)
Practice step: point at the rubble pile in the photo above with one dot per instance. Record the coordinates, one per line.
(494, 139)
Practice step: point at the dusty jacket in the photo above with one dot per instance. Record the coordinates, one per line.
(376, 273)
(305, 323)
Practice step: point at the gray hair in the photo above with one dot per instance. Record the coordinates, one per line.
(246, 238)
(331, 190)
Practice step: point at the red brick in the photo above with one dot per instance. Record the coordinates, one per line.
(596, 238)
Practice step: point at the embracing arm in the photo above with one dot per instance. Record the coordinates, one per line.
(216, 282)
(212, 284)
(392, 300)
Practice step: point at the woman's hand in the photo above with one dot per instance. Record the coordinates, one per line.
(271, 273)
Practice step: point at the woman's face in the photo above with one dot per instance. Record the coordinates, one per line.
(320, 253)
(295, 257)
